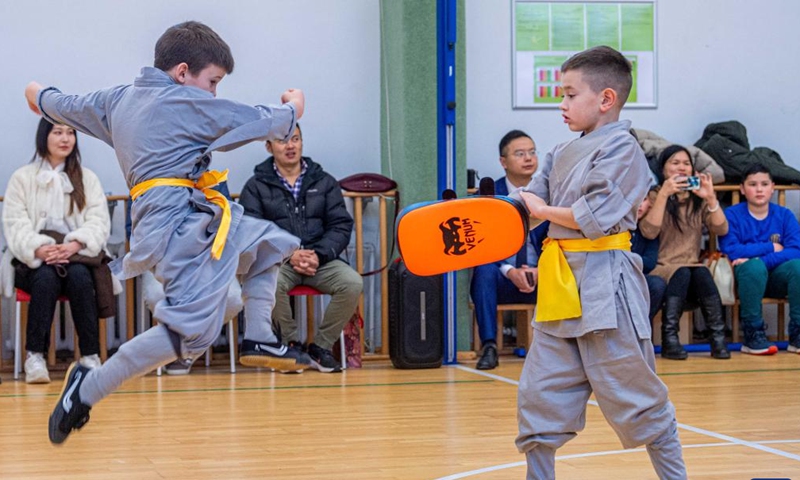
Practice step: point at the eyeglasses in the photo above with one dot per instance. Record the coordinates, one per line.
(521, 154)
(294, 139)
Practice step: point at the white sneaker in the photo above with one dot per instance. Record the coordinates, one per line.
(36, 369)
(91, 361)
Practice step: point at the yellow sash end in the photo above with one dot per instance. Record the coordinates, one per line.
(558, 297)
(205, 184)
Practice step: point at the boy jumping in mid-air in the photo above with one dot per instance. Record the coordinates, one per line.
(589, 189)
(163, 129)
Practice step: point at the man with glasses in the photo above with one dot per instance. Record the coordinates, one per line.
(512, 280)
(295, 193)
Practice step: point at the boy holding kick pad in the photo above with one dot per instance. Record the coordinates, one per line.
(592, 329)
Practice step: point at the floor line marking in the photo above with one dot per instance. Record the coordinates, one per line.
(504, 466)
(683, 426)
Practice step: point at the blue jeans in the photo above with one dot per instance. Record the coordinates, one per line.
(489, 288)
(656, 287)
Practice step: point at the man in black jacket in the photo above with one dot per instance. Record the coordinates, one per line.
(300, 197)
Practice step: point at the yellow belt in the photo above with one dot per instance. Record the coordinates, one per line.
(558, 296)
(205, 183)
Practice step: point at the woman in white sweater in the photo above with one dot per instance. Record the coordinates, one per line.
(55, 193)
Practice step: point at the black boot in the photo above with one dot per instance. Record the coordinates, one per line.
(715, 321)
(670, 325)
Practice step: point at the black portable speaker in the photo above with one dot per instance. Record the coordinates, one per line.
(416, 319)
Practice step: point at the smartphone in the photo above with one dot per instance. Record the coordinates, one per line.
(693, 183)
(529, 278)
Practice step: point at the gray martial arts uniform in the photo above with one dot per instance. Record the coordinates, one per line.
(602, 177)
(160, 129)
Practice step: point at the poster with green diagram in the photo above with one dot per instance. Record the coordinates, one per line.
(545, 34)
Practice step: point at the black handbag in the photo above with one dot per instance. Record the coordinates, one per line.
(373, 183)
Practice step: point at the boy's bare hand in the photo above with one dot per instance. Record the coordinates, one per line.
(295, 95)
(31, 92)
(533, 203)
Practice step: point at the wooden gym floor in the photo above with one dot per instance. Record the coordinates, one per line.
(739, 419)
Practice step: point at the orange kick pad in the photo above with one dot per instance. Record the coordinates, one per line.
(439, 237)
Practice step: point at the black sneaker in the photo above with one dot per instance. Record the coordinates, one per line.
(181, 366)
(70, 413)
(273, 355)
(323, 359)
(300, 348)
(794, 345)
(757, 343)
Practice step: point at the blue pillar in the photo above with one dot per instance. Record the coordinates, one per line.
(446, 135)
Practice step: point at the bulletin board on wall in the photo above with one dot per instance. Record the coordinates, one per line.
(547, 33)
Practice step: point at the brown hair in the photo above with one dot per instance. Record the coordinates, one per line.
(195, 44)
(603, 67)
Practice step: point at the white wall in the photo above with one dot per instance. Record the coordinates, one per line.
(329, 48)
(717, 60)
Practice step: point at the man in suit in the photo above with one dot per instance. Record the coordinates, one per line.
(512, 280)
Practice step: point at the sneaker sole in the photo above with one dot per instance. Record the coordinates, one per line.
(793, 349)
(176, 372)
(322, 369)
(56, 437)
(37, 380)
(772, 350)
(271, 362)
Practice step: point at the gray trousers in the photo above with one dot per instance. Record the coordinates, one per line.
(560, 374)
(336, 279)
(196, 288)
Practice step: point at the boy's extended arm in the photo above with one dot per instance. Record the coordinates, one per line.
(86, 113)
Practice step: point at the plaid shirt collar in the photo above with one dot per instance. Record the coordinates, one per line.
(298, 184)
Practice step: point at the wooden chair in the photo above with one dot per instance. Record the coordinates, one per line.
(523, 317)
(309, 293)
(21, 324)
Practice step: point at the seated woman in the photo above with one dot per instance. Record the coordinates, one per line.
(676, 218)
(55, 195)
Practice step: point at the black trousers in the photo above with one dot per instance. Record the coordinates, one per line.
(45, 285)
(691, 284)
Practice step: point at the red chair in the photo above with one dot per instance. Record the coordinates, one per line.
(310, 293)
(20, 326)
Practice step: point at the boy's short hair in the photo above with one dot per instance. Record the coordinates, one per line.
(510, 137)
(195, 44)
(603, 67)
(754, 169)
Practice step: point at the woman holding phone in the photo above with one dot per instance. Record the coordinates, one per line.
(680, 208)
